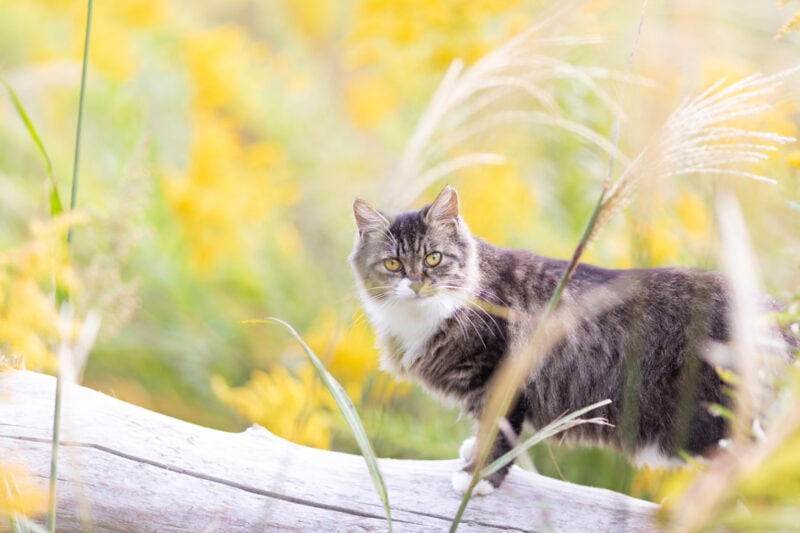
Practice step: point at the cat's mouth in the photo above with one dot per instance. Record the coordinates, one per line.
(421, 294)
(411, 295)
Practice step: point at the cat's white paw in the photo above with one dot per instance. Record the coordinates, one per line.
(461, 479)
(467, 450)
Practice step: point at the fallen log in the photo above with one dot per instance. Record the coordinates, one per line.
(124, 468)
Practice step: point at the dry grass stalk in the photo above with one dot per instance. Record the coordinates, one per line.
(527, 356)
(758, 350)
(700, 137)
(758, 355)
(792, 24)
(697, 138)
(499, 89)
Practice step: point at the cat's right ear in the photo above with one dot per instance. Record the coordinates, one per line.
(368, 219)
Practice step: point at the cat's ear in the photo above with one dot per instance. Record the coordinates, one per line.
(368, 219)
(444, 208)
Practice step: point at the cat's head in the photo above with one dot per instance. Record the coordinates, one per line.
(416, 255)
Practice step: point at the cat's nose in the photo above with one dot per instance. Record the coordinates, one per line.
(416, 286)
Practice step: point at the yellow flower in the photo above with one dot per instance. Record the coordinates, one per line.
(668, 232)
(314, 17)
(370, 100)
(494, 199)
(793, 158)
(394, 38)
(29, 318)
(346, 348)
(659, 484)
(19, 494)
(227, 189)
(661, 241)
(138, 13)
(112, 51)
(219, 60)
(295, 408)
(695, 217)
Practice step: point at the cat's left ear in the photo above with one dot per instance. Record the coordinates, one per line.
(444, 208)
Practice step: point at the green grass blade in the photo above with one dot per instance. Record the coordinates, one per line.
(60, 296)
(76, 159)
(553, 428)
(348, 411)
(56, 206)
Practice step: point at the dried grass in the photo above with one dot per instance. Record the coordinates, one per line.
(511, 85)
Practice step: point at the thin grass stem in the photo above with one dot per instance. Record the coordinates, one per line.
(52, 501)
(81, 98)
(509, 393)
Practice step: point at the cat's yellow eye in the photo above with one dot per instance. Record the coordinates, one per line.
(392, 264)
(433, 259)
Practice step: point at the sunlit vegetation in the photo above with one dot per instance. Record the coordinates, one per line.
(224, 143)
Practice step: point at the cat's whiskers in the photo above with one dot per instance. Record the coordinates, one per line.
(466, 316)
(480, 310)
(490, 324)
(461, 326)
(379, 289)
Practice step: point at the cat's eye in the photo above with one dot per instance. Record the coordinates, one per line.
(433, 259)
(392, 264)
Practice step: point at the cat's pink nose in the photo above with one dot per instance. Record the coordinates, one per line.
(416, 286)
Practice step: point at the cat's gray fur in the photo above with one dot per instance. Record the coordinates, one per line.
(648, 343)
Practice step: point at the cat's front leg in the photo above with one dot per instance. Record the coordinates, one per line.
(502, 444)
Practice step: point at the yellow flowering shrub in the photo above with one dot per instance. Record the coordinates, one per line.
(227, 188)
(348, 350)
(670, 231)
(19, 494)
(659, 484)
(257, 123)
(496, 200)
(370, 99)
(295, 407)
(793, 159)
(449, 29)
(219, 62)
(390, 39)
(28, 315)
(316, 18)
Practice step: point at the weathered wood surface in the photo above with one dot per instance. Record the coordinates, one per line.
(124, 468)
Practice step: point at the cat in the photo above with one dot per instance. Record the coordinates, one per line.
(419, 274)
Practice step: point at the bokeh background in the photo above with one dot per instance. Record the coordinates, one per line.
(224, 142)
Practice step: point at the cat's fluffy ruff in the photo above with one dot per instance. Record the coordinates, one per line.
(640, 349)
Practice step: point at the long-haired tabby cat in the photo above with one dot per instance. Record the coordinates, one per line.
(419, 272)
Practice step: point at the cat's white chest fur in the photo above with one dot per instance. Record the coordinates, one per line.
(411, 321)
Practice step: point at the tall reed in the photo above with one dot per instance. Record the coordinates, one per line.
(51, 514)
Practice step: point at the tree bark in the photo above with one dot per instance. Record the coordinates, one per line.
(124, 468)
